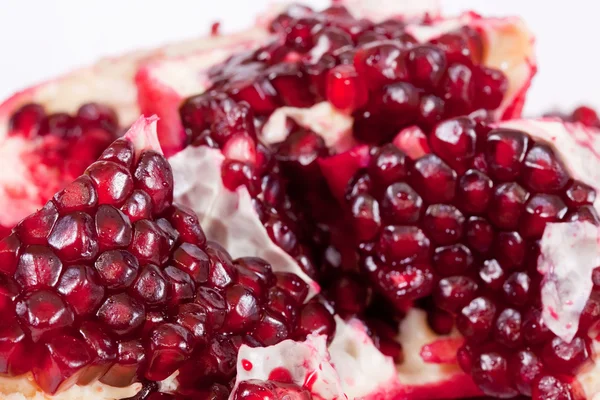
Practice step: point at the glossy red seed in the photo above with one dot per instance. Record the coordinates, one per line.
(138, 206)
(507, 205)
(79, 195)
(153, 175)
(401, 204)
(403, 244)
(541, 209)
(15, 349)
(149, 243)
(426, 65)
(434, 179)
(388, 165)
(455, 292)
(193, 260)
(282, 304)
(194, 318)
(81, 289)
(180, 286)
(112, 228)
(35, 228)
(61, 358)
(27, 119)
(490, 372)
(214, 304)
(349, 295)
(458, 87)
(366, 218)
(167, 347)
(116, 269)
(42, 312)
(516, 288)
(122, 314)
(543, 171)
(579, 194)
(451, 260)
(491, 274)
(534, 329)
(504, 152)
(345, 89)
(563, 357)
(150, 286)
(94, 115)
(381, 63)
(127, 368)
(113, 182)
(454, 141)
(314, 318)
(509, 249)
(9, 252)
(550, 387)
(525, 367)
(479, 234)
(74, 238)
(403, 284)
(293, 285)
(474, 192)
(443, 223)
(475, 321)
(507, 330)
(242, 309)
(186, 222)
(38, 267)
(270, 330)
(103, 351)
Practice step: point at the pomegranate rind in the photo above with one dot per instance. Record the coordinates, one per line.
(226, 217)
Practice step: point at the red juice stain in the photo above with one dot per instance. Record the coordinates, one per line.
(246, 364)
(280, 374)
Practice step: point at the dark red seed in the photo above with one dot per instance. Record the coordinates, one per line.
(35, 228)
(153, 175)
(540, 210)
(507, 205)
(454, 142)
(122, 314)
(38, 267)
(186, 222)
(443, 224)
(543, 171)
(366, 219)
(112, 228)
(476, 319)
(507, 330)
(42, 312)
(314, 318)
(138, 206)
(455, 292)
(149, 243)
(434, 179)
(474, 192)
(490, 372)
(80, 287)
(451, 260)
(180, 286)
(74, 238)
(401, 204)
(504, 153)
(403, 244)
(150, 286)
(167, 347)
(79, 195)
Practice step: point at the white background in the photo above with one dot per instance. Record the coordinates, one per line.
(42, 38)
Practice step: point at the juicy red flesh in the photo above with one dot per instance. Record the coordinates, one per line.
(124, 296)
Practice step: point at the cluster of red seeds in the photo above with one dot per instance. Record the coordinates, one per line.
(463, 224)
(111, 281)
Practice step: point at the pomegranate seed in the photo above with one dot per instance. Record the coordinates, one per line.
(74, 238)
(526, 368)
(38, 267)
(493, 85)
(365, 217)
(492, 274)
(516, 288)
(42, 312)
(153, 175)
(26, 120)
(270, 330)
(401, 204)
(434, 179)
(193, 260)
(214, 304)
(550, 387)
(564, 357)
(534, 329)
(452, 260)
(80, 288)
(458, 87)
(540, 210)
(138, 206)
(454, 141)
(121, 314)
(116, 269)
(507, 330)
(185, 221)
(9, 251)
(103, 351)
(94, 115)
(125, 371)
(314, 318)
(149, 243)
(403, 244)
(490, 372)
(443, 223)
(507, 205)
(474, 192)
(79, 195)
(35, 228)
(380, 63)
(243, 309)
(455, 292)
(388, 165)
(112, 181)
(112, 228)
(180, 286)
(426, 65)
(168, 346)
(579, 194)
(542, 171)
(476, 319)
(504, 153)
(62, 358)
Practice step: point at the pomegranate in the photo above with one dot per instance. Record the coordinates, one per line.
(364, 156)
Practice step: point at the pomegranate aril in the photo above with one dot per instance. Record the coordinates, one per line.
(543, 171)
(434, 179)
(194, 318)
(490, 372)
(315, 318)
(180, 286)
(403, 244)
(366, 219)
(61, 125)
(79, 195)
(516, 288)
(186, 222)
(293, 285)
(138, 206)
(388, 165)
(191, 259)
(525, 367)
(291, 84)
(35, 228)
(116, 269)
(8, 292)
(550, 387)
(94, 115)
(213, 302)
(454, 141)
(474, 192)
(458, 87)
(26, 120)
(282, 304)
(149, 243)
(507, 330)
(534, 329)
(455, 292)
(401, 204)
(258, 267)
(579, 194)
(103, 351)
(270, 330)
(509, 248)
(431, 110)
(492, 86)
(243, 309)
(42, 312)
(443, 224)
(583, 214)
(426, 65)
(80, 288)
(504, 153)
(38, 267)
(61, 361)
(167, 347)
(122, 314)
(399, 102)
(112, 228)
(74, 237)
(153, 175)
(491, 274)
(540, 210)
(346, 90)
(349, 295)
(563, 357)
(113, 182)
(451, 260)
(507, 205)
(15, 349)
(380, 63)
(9, 253)
(475, 321)
(130, 362)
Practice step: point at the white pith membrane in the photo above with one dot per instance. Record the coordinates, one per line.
(360, 369)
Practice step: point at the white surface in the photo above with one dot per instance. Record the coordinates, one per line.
(40, 39)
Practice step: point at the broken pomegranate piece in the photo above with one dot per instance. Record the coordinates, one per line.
(86, 301)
